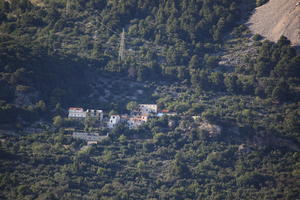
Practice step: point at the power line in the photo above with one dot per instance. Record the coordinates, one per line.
(102, 22)
(118, 33)
(111, 44)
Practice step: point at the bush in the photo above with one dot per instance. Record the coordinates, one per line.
(252, 179)
(58, 121)
(257, 37)
(261, 2)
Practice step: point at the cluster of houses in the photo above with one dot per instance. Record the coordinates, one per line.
(137, 117)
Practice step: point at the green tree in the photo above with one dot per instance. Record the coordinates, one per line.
(180, 167)
(261, 2)
(292, 121)
(122, 139)
(40, 106)
(283, 41)
(217, 80)
(194, 63)
(231, 83)
(57, 121)
(281, 92)
(132, 106)
(90, 123)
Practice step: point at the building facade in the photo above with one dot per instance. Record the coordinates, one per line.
(96, 114)
(113, 121)
(76, 113)
(147, 109)
(80, 114)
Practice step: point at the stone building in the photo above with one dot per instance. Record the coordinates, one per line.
(147, 109)
(96, 114)
(80, 114)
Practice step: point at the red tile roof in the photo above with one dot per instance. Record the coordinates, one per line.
(73, 108)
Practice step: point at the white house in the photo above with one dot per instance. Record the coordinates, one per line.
(113, 121)
(76, 113)
(146, 109)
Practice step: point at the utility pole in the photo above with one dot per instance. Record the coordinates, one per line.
(122, 46)
(68, 7)
(95, 36)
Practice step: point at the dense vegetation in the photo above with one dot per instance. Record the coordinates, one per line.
(174, 163)
(42, 43)
(53, 54)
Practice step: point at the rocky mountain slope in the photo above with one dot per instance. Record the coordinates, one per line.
(276, 18)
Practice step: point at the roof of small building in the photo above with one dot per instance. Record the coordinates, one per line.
(147, 105)
(92, 142)
(92, 110)
(124, 116)
(74, 108)
(137, 119)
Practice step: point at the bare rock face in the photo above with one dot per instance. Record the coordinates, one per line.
(212, 129)
(37, 2)
(276, 18)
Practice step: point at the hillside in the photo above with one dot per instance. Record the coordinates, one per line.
(228, 102)
(277, 18)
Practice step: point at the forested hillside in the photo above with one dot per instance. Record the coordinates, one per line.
(65, 34)
(195, 58)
